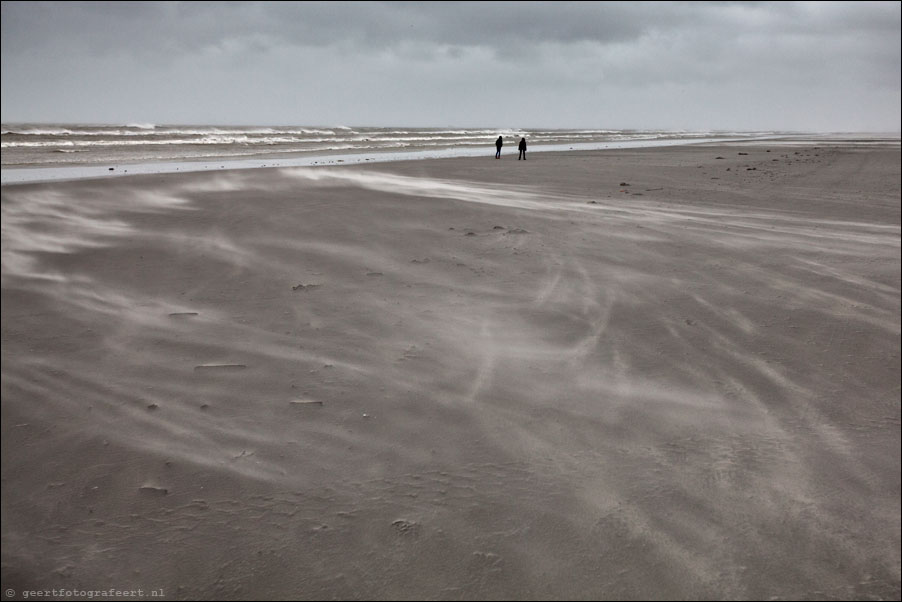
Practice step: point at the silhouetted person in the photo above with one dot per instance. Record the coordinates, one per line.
(522, 148)
(498, 144)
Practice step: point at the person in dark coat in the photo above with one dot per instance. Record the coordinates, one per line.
(498, 144)
(522, 148)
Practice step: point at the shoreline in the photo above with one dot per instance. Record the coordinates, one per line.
(639, 373)
(19, 175)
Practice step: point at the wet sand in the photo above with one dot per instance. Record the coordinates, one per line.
(652, 373)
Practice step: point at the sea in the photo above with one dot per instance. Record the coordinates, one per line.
(54, 151)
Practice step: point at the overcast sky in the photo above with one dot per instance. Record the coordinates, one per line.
(818, 66)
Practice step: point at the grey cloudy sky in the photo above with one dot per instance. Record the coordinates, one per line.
(819, 66)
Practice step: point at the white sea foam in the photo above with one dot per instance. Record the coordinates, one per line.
(223, 139)
(154, 130)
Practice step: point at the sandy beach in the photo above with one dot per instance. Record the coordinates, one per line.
(626, 374)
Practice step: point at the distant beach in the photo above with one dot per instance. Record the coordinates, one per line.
(70, 151)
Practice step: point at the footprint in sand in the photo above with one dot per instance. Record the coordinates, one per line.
(153, 490)
(407, 528)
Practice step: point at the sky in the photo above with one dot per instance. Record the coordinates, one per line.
(750, 66)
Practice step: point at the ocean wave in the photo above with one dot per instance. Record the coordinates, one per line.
(154, 130)
(39, 132)
(224, 140)
(234, 139)
(46, 144)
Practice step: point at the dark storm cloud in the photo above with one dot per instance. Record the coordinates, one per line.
(595, 62)
(187, 26)
(169, 26)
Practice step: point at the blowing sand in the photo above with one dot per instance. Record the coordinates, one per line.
(656, 373)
